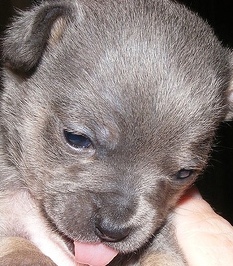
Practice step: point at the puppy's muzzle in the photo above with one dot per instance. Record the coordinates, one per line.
(113, 219)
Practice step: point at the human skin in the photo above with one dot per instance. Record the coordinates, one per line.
(203, 235)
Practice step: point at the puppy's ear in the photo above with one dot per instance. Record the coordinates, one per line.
(229, 115)
(29, 35)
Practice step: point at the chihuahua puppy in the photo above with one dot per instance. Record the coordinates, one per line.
(108, 114)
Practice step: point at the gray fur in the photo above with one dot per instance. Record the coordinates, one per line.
(146, 80)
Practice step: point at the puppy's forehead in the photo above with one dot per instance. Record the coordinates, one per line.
(148, 57)
(144, 71)
(138, 100)
(122, 84)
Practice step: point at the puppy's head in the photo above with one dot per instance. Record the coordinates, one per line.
(109, 112)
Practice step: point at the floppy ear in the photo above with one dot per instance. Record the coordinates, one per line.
(29, 35)
(229, 115)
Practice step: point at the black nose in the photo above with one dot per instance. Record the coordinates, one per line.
(110, 234)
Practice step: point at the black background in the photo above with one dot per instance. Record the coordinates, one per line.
(216, 184)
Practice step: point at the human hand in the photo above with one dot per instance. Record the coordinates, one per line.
(204, 237)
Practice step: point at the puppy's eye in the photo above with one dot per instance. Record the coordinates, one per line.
(183, 174)
(77, 141)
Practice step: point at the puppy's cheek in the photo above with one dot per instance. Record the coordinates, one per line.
(71, 214)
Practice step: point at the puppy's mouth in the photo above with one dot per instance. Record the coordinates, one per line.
(95, 254)
(97, 237)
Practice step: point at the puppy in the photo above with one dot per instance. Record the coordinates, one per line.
(108, 114)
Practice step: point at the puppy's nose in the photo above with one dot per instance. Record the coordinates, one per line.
(111, 234)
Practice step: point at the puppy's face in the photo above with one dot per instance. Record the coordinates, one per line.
(115, 114)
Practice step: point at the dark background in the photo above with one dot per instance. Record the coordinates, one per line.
(216, 184)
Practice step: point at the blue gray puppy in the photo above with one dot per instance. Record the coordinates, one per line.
(108, 115)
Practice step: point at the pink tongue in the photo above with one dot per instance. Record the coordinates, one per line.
(93, 254)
